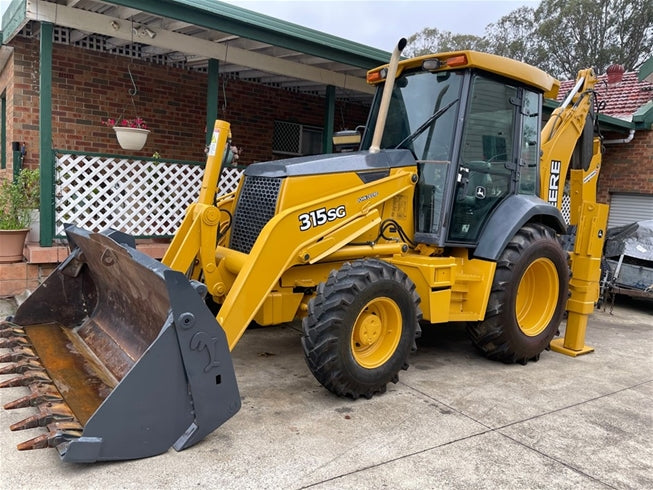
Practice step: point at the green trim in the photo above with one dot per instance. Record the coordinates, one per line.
(211, 98)
(241, 22)
(609, 123)
(45, 136)
(643, 118)
(13, 20)
(646, 70)
(329, 118)
(128, 157)
(17, 163)
(3, 131)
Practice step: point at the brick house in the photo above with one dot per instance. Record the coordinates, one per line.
(65, 67)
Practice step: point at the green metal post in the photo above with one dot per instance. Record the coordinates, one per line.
(212, 98)
(3, 131)
(17, 163)
(329, 117)
(46, 156)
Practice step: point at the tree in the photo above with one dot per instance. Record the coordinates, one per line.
(579, 33)
(432, 40)
(512, 35)
(559, 36)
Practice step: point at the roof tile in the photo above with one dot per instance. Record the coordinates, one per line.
(621, 100)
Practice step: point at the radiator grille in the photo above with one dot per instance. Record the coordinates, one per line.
(256, 205)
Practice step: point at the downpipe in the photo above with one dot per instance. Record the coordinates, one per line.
(625, 140)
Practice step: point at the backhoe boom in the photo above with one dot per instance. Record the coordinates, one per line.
(570, 148)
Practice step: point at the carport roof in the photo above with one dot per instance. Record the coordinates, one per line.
(188, 33)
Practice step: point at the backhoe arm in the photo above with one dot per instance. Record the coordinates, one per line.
(571, 129)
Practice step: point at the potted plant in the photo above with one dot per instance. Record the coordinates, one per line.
(131, 133)
(29, 179)
(18, 197)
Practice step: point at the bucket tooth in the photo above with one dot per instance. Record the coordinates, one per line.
(38, 442)
(15, 341)
(18, 354)
(51, 439)
(49, 413)
(32, 376)
(33, 400)
(11, 331)
(21, 367)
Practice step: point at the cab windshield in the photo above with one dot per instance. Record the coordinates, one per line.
(422, 114)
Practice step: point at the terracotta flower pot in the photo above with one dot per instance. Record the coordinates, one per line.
(11, 245)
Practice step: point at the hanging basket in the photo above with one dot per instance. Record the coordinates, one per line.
(131, 138)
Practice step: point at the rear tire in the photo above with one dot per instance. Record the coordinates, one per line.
(361, 327)
(528, 298)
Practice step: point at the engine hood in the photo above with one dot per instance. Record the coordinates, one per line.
(361, 161)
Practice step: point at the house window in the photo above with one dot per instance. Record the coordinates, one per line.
(296, 139)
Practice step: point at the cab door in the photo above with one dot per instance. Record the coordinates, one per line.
(489, 160)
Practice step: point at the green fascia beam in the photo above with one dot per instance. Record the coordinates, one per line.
(643, 118)
(646, 70)
(241, 22)
(13, 20)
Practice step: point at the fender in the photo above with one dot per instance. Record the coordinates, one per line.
(509, 217)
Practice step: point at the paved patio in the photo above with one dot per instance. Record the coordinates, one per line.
(454, 420)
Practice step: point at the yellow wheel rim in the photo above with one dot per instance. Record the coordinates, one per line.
(537, 297)
(376, 333)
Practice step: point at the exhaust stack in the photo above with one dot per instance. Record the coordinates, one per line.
(375, 147)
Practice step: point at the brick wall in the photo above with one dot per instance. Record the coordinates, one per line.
(15, 278)
(89, 87)
(627, 167)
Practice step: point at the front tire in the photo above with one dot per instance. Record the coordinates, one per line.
(528, 298)
(361, 327)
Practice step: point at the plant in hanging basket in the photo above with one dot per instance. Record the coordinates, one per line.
(131, 133)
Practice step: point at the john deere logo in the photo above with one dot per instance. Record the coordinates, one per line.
(480, 192)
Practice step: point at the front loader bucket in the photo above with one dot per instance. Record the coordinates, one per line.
(122, 357)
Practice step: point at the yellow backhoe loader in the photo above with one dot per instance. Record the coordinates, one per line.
(450, 211)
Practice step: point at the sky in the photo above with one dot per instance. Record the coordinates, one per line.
(381, 23)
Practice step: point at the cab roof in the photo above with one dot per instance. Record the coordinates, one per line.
(506, 67)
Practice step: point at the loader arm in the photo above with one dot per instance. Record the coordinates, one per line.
(195, 238)
(569, 147)
(247, 279)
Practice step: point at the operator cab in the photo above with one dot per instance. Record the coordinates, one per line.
(474, 135)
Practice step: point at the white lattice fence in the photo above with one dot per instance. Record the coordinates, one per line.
(139, 197)
(229, 179)
(566, 207)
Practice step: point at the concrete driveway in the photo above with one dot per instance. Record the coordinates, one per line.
(454, 420)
